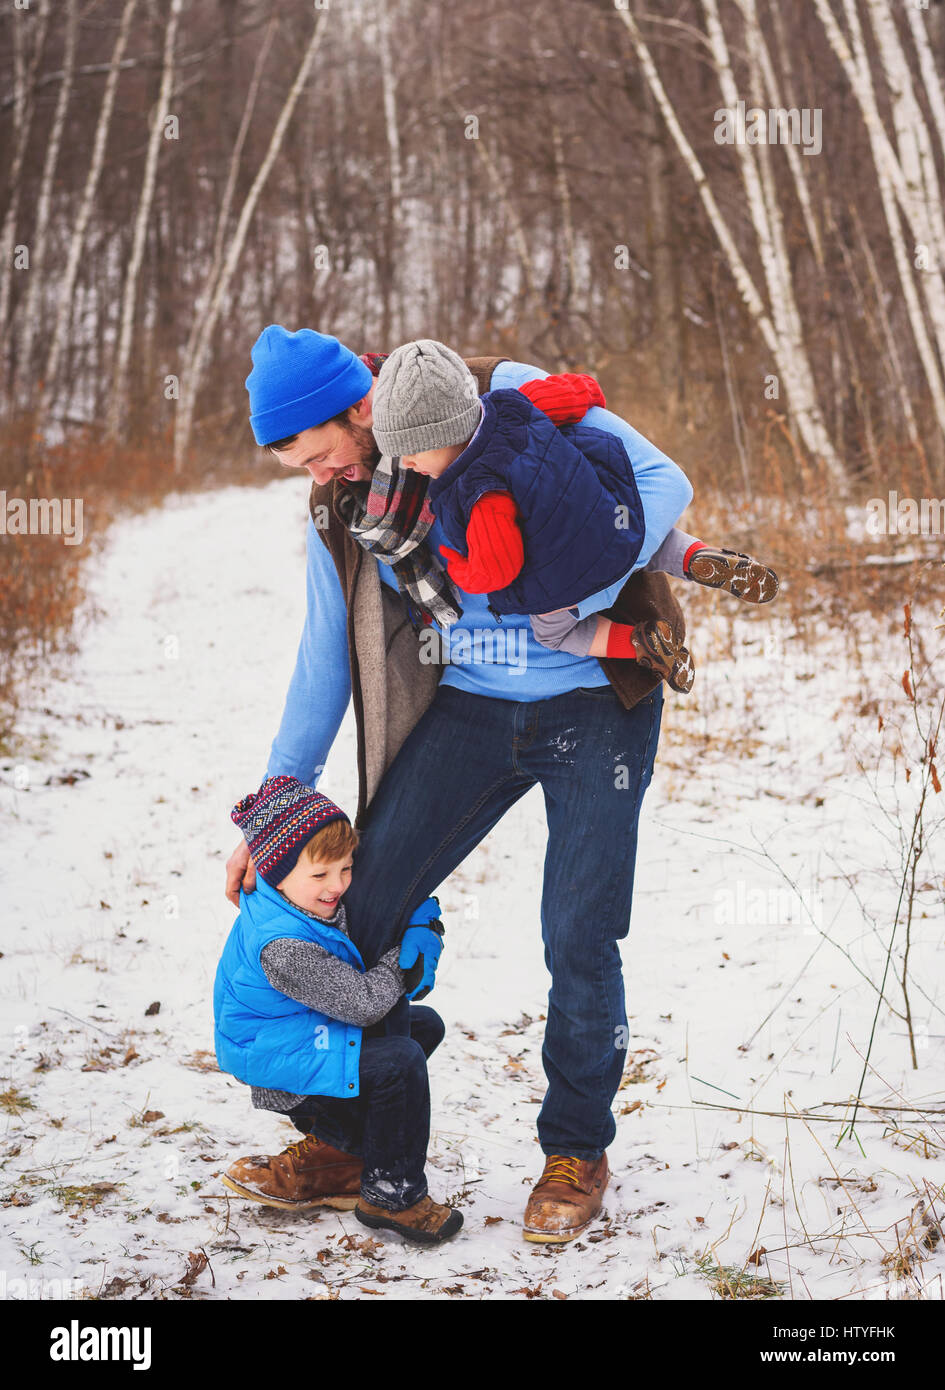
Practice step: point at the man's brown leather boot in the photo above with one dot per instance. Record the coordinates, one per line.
(566, 1198)
(306, 1174)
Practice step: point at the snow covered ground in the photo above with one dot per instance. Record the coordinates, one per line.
(766, 887)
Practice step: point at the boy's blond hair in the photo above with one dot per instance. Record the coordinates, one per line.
(334, 841)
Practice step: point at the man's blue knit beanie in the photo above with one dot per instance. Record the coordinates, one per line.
(300, 380)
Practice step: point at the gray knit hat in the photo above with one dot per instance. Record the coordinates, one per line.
(424, 398)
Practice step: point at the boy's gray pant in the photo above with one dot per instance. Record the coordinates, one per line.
(563, 631)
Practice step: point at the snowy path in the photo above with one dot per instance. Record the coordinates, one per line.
(116, 1126)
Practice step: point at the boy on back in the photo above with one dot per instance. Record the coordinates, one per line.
(546, 516)
(291, 1001)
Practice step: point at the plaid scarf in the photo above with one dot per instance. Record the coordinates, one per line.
(390, 517)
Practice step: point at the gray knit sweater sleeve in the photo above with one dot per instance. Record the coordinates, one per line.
(322, 981)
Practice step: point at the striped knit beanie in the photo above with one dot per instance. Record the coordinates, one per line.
(278, 821)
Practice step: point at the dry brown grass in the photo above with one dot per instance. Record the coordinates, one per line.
(833, 577)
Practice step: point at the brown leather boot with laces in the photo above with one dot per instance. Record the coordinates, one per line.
(566, 1198)
(306, 1174)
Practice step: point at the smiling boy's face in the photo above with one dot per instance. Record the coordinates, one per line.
(318, 886)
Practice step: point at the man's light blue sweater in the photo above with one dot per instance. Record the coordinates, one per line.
(502, 661)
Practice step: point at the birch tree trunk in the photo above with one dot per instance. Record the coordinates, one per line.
(117, 404)
(804, 407)
(893, 190)
(918, 164)
(666, 296)
(501, 192)
(563, 281)
(563, 190)
(30, 320)
(24, 88)
(66, 288)
(194, 366)
(888, 348)
(760, 55)
(930, 74)
(395, 253)
(765, 214)
(924, 345)
(226, 203)
(19, 144)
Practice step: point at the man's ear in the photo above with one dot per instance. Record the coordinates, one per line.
(361, 413)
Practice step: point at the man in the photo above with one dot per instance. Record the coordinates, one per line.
(444, 749)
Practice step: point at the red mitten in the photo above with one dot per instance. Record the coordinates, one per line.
(565, 399)
(496, 552)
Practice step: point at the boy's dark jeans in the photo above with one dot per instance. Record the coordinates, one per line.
(388, 1123)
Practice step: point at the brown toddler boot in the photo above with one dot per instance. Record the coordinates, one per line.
(658, 650)
(741, 575)
(306, 1174)
(425, 1223)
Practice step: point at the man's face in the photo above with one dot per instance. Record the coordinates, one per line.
(332, 450)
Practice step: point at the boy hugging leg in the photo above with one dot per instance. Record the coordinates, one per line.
(291, 1002)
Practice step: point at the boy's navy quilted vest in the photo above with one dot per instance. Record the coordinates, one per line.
(581, 515)
(262, 1036)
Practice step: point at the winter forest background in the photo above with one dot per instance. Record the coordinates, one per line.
(554, 181)
(586, 185)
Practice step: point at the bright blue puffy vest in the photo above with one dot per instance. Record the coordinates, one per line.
(263, 1037)
(581, 515)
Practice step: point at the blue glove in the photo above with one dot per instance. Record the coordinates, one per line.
(428, 911)
(420, 949)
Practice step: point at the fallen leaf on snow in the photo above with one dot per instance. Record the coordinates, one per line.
(200, 1061)
(196, 1264)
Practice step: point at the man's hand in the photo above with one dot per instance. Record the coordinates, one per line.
(240, 872)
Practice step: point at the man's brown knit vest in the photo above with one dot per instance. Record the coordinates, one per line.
(391, 686)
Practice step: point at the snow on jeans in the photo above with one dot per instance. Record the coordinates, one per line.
(388, 1123)
(469, 758)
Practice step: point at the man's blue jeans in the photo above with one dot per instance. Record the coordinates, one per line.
(465, 763)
